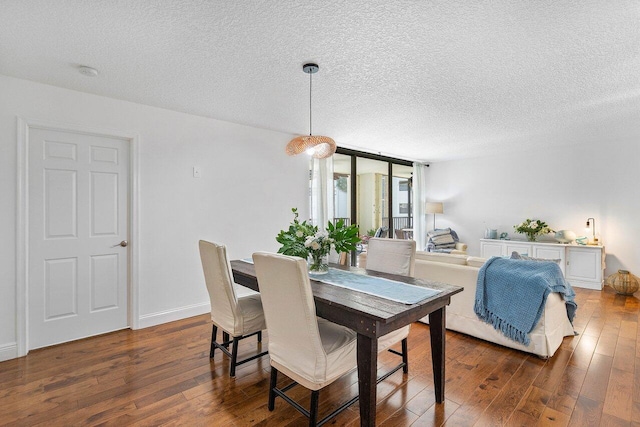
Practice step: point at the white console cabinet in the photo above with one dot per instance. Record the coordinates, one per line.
(582, 266)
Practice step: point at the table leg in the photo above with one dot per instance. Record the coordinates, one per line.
(437, 332)
(367, 375)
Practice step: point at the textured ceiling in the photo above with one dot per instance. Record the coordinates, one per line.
(422, 80)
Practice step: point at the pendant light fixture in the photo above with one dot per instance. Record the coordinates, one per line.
(319, 146)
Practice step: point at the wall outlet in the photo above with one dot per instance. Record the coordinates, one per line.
(196, 172)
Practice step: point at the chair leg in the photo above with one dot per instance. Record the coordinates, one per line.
(272, 385)
(225, 338)
(234, 356)
(313, 409)
(214, 334)
(260, 336)
(405, 356)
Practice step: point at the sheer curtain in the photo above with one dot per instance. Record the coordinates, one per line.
(419, 205)
(321, 192)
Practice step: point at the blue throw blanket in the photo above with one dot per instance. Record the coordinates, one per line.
(511, 294)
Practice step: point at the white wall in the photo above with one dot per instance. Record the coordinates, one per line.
(243, 199)
(562, 186)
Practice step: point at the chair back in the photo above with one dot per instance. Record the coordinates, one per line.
(290, 313)
(218, 277)
(393, 256)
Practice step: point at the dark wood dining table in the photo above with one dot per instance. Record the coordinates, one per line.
(372, 317)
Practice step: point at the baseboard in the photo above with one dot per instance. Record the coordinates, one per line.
(8, 351)
(166, 316)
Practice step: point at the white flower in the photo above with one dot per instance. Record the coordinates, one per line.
(299, 233)
(314, 245)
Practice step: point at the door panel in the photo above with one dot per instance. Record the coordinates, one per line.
(60, 286)
(104, 282)
(78, 214)
(104, 204)
(60, 203)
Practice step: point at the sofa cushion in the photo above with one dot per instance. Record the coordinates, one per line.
(441, 257)
(516, 255)
(474, 261)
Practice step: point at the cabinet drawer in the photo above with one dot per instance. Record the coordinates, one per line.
(521, 248)
(551, 253)
(490, 249)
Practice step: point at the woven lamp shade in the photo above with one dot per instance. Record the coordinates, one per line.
(323, 146)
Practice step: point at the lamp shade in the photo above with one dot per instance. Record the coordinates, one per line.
(322, 146)
(434, 207)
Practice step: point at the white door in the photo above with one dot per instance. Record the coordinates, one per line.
(78, 216)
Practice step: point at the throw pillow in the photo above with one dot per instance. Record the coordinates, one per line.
(441, 239)
(516, 255)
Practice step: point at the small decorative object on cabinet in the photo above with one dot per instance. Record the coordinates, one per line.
(623, 282)
(582, 240)
(565, 236)
(490, 233)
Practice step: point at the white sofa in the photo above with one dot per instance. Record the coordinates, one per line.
(462, 270)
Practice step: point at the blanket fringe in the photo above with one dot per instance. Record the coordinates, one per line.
(501, 325)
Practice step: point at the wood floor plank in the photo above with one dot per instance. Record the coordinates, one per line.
(552, 418)
(597, 379)
(587, 412)
(564, 398)
(551, 373)
(619, 398)
(510, 396)
(436, 415)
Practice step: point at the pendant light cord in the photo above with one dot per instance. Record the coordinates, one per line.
(310, 80)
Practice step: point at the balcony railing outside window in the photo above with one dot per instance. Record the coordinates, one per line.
(398, 222)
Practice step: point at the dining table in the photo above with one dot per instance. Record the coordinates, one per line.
(371, 317)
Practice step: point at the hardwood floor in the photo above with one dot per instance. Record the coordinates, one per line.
(163, 376)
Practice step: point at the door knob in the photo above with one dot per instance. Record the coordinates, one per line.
(124, 244)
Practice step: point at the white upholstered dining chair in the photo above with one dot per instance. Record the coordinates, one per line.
(312, 351)
(235, 309)
(393, 256)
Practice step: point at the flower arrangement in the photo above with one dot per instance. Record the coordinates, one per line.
(370, 234)
(306, 241)
(532, 228)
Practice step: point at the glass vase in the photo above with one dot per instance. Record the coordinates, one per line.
(531, 237)
(318, 263)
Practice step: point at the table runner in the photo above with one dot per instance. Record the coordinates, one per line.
(377, 286)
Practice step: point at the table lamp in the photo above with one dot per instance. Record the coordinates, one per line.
(591, 225)
(434, 208)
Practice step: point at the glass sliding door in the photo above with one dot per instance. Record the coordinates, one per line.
(372, 196)
(402, 201)
(374, 192)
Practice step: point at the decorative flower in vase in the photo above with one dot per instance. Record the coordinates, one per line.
(306, 241)
(533, 228)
